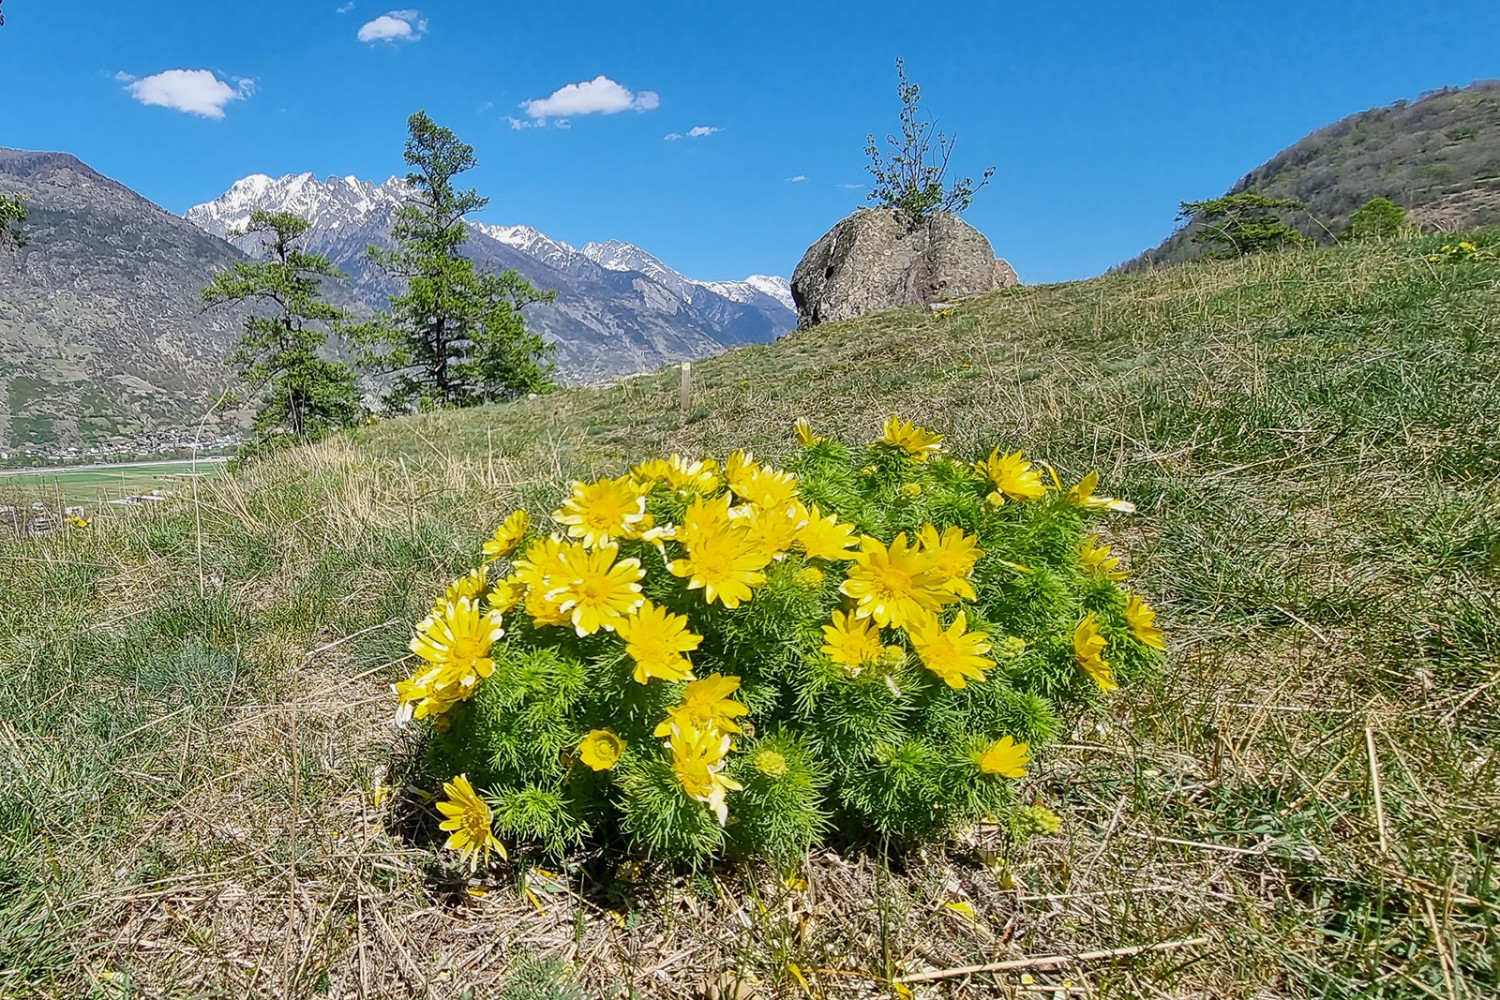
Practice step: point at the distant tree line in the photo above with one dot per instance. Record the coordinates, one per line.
(455, 337)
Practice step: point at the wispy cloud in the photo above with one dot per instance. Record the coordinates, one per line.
(599, 96)
(192, 91)
(394, 26)
(346, 8)
(797, 179)
(851, 187)
(696, 132)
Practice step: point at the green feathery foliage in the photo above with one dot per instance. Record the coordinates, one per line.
(573, 728)
(12, 215)
(304, 396)
(1377, 219)
(1243, 223)
(455, 336)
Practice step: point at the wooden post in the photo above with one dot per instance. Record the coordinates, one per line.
(686, 396)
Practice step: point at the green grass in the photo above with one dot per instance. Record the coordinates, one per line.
(95, 485)
(194, 715)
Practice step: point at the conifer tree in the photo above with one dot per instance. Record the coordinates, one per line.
(1243, 223)
(12, 214)
(304, 396)
(455, 336)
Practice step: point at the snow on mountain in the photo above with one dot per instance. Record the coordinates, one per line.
(619, 309)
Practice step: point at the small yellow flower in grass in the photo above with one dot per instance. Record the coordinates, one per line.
(826, 538)
(470, 585)
(953, 557)
(773, 530)
(678, 473)
(506, 594)
(468, 823)
(698, 758)
(1005, 758)
(507, 537)
(1082, 495)
(706, 705)
(77, 521)
(810, 578)
(956, 655)
(599, 592)
(656, 640)
(911, 490)
(1099, 561)
(1013, 476)
(1088, 644)
(853, 643)
(918, 443)
(895, 584)
(724, 564)
(805, 436)
(455, 640)
(1142, 619)
(601, 749)
(600, 512)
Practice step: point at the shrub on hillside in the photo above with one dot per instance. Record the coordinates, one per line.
(1377, 219)
(744, 659)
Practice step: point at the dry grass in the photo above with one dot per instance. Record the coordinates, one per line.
(196, 742)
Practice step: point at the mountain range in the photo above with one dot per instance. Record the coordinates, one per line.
(619, 310)
(103, 338)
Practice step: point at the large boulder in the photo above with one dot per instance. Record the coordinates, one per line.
(879, 258)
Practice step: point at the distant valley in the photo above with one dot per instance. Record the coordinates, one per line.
(103, 339)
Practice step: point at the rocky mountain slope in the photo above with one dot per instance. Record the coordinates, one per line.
(1439, 156)
(102, 335)
(619, 310)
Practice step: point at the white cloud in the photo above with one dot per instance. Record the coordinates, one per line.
(699, 131)
(797, 179)
(194, 91)
(346, 8)
(852, 187)
(599, 96)
(672, 136)
(394, 26)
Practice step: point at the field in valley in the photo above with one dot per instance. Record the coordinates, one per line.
(197, 758)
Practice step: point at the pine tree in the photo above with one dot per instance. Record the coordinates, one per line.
(304, 396)
(12, 214)
(1243, 223)
(456, 336)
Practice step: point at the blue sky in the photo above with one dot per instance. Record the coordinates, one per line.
(1100, 117)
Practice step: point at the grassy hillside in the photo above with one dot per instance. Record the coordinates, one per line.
(1439, 156)
(194, 721)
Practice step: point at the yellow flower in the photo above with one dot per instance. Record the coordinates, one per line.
(1006, 758)
(738, 465)
(698, 758)
(1088, 644)
(599, 592)
(955, 655)
(678, 473)
(1082, 495)
(805, 436)
(601, 749)
(894, 585)
(724, 564)
(656, 640)
(1013, 476)
(455, 640)
(77, 521)
(468, 823)
(542, 565)
(602, 511)
(918, 443)
(953, 557)
(810, 578)
(773, 530)
(911, 490)
(506, 594)
(1142, 619)
(771, 763)
(507, 537)
(764, 486)
(706, 705)
(470, 585)
(853, 643)
(544, 613)
(826, 538)
(1097, 560)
